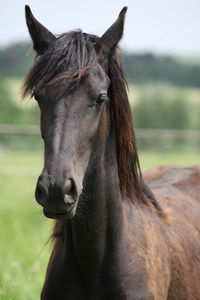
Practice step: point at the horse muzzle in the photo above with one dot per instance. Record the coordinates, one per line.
(59, 201)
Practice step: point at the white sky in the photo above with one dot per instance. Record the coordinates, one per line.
(161, 26)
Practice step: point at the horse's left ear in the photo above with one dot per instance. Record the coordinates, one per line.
(110, 39)
(42, 38)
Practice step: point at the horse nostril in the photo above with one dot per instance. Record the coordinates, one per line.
(41, 192)
(69, 192)
(69, 200)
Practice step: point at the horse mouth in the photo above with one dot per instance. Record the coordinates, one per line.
(59, 215)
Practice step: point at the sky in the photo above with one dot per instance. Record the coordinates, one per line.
(158, 26)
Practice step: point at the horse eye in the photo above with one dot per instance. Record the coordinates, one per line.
(101, 99)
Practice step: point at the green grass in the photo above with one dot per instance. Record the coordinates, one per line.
(149, 160)
(24, 230)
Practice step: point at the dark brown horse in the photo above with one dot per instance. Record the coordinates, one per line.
(114, 239)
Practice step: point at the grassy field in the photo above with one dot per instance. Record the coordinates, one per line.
(24, 230)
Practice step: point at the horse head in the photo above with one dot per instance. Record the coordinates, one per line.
(70, 81)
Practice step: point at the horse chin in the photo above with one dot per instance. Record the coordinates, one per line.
(60, 215)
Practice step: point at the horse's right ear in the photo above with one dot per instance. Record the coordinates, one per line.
(42, 38)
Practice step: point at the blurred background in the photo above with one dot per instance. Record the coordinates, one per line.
(161, 58)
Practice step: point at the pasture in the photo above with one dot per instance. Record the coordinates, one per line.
(23, 229)
(25, 247)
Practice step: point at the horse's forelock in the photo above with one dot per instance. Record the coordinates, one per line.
(65, 63)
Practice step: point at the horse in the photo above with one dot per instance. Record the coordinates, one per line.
(119, 234)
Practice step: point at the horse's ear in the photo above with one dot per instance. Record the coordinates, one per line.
(40, 35)
(110, 39)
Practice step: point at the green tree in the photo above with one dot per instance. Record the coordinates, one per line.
(10, 112)
(161, 113)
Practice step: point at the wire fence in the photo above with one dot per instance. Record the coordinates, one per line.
(15, 136)
(168, 140)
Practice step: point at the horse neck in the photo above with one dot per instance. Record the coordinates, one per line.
(97, 235)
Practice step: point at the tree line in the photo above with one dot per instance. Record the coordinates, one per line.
(150, 68)
(16, 59)
(154, 110)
